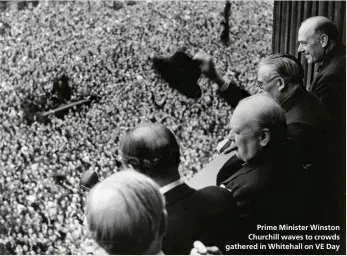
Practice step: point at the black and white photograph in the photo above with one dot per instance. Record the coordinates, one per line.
(180, 127)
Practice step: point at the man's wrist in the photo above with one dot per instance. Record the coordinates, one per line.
(225, 86)
(219, 81)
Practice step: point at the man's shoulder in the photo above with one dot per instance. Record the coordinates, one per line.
(204, 202)
(327, 83)
(336, 68)
(179, 193)
(213, 191)
(339, 56)
(307, 110)
(216, 201)
(251, 177)
(212, 195)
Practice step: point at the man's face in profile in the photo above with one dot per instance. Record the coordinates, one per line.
(245, 136)
(310, 44)
(268, 81)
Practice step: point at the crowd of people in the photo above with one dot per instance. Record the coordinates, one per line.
(106, 52)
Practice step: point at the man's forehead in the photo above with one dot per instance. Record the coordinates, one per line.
(239, 120)
(234, 125)
(306, 31)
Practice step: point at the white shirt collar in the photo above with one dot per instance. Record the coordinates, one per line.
(170, 186)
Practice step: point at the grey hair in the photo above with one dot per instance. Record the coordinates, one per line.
(287, 66)
(125, 213)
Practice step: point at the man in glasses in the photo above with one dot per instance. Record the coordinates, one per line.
(308, 122)
(281, 77)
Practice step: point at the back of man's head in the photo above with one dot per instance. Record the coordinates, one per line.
(126, 214)
(261, 111)
(287, 67)
(322, 25)
(151, 149)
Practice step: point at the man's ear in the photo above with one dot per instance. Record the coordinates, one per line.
(264, 137)
(282, 84)
(324, 39)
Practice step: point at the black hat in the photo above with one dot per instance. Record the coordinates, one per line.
(181, 72)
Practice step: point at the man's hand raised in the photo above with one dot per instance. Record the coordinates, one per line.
(207, 66)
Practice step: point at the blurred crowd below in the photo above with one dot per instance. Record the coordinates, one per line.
(106, 52)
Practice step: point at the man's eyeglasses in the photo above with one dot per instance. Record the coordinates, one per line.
(261, 83)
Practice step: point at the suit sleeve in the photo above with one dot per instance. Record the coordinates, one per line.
(330, 92)
(233, 94)
(308, 142)
(222, 218)
(229, 168)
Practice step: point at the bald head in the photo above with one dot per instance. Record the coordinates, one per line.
(321, 25)
(317, 35)
(151, 149)
(258, 123)
(126, 213)
(261, 111)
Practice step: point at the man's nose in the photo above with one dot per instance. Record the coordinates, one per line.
(300, 48)
(231, 136)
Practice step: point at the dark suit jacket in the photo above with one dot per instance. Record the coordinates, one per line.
(330, 82)
(265, 192)
(208, 215)
(268, 193)
(329, 85)
(308, 127)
